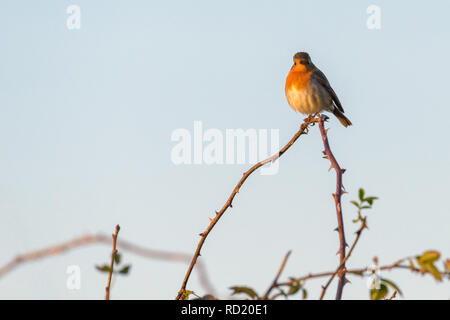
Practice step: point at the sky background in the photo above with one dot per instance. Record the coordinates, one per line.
(86, 118)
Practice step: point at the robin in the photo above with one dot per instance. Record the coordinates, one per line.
(309, 92)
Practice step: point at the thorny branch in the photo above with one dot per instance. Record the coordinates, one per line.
(337, 199)
(311, 120)
(342, 264)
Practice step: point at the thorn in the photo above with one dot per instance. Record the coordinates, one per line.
(343, 170)
(210, 219)
(336, 229)
(231, 205)
(347, 281)
(324, 152)
(199, 254)
(201, 234)
(331, 167)
(217, 213)
(346, 245)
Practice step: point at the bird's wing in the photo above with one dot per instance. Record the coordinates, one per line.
(322, 79)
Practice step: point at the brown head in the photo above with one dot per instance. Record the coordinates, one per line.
(302, 62)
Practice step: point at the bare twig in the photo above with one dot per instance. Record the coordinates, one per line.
(111, 266)
(275, 281)
(229, 204)
(90, 239)
(337, 199)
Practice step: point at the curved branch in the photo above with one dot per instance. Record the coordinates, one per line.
(90, 239)
(229, 204)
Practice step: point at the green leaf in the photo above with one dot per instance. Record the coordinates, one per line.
(392, 285)
(379, 294)
(370, 199)
(245, 290)
(117, 258)
(104, 268)
(356, 203)
(280, 293)
(361, 194)
(125, 269)
(293, 289)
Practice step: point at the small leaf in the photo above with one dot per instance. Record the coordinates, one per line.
(356, 203)
(426, 263)
(117, 258)
(392, 285)
(104, 268)
(294, 288)
(245, 290)
(379, 294)
(186, 294)
(125, 269)
(433, 271)
(305, 294)
(361, 194)
(429, 257)
(280, 293)
(370, 199)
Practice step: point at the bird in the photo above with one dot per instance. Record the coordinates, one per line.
(309, 92)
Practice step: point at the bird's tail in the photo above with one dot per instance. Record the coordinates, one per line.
(342, 118)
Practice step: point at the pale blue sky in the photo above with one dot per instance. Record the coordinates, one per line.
(86, 118)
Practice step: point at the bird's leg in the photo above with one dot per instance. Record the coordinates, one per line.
(309, 118)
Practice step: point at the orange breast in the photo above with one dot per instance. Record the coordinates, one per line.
(298, 79)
